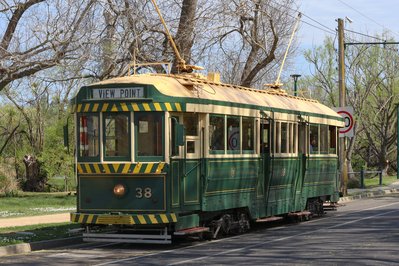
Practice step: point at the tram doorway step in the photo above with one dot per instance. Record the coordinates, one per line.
(330, 206)
(191, 231)
(162, 238)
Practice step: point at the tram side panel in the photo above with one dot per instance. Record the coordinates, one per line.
(230, 184)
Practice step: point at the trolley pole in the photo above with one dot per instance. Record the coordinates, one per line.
(342, 103)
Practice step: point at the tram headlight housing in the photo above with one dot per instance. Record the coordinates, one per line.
(119, 190)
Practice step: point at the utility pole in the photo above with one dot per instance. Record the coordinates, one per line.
(342, 103)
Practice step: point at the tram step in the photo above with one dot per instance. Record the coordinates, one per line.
(128, 238)
(304, 213)
(191, 231)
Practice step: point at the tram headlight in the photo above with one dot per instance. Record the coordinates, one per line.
(119, 190)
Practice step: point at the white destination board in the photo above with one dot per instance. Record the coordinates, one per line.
(118, 93)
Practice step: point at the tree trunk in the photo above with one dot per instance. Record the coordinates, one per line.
(185, 33)
(35, 179)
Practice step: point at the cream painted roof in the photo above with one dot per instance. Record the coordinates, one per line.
(190, 85)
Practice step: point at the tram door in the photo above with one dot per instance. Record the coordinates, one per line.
(266, 150)
(187, 164)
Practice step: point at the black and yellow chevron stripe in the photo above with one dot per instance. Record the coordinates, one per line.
(126, 107)
(121, 168)
(136, 219)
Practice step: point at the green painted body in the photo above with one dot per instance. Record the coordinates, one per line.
(198, 190)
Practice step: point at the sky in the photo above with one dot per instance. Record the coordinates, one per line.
(370, 17)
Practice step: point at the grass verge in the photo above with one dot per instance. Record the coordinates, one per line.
(34, 203)
(374, 182)
(34, 233)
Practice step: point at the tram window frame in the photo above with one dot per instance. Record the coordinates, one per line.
(124, 157)
(160, 133)
(79, 132)
(217, 131)
(247, 149)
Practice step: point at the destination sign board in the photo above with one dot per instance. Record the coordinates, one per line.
(118, 93)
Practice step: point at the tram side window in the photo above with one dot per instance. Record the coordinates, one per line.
(233, 134)
(89, 136)
(324, 139)
(117, 137)
(333, 139)
(284, 138)
(174, 147)
(216, 133)
(302, 138)
(191, 124)
(248, 131)
(314, 139)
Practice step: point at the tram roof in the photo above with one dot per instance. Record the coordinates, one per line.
(196, 86)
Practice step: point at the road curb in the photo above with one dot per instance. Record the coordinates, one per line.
(34, 246)
(368, 194)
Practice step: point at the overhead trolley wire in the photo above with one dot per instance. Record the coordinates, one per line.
(365, 35)
(325, 28)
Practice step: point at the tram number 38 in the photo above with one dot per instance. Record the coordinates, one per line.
(143, 193)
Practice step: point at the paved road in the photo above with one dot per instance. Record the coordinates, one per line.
(363, 232)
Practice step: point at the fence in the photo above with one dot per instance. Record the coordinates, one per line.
(363, 172)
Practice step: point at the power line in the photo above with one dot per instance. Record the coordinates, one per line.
(326, 29)
(318, 22)
(314, 26)
(369, 18)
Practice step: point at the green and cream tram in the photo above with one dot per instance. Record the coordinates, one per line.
(186, 153)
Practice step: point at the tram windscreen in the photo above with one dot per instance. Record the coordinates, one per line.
(149, 133)
(89, 136)
(117, 137)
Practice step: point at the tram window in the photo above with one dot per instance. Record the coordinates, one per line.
(302, 138)
(174, 148)
(117, 137)
(264, 137)
(294, 138)
(216, 133)
(89, 136)
(278, 137)
(248, 131)
(190, 124)
(233, 134)
(314, 139)
(149, 133)
(333, 139)
(323, 139)
(284, 138)
(190, 146)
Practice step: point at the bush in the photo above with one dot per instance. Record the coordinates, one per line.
(8, 186)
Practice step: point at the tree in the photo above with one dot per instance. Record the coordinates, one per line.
(372, 88)
(44, 39)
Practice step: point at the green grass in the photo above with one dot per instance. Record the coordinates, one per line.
(33, 203)
(374, 182)
(33, 233)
